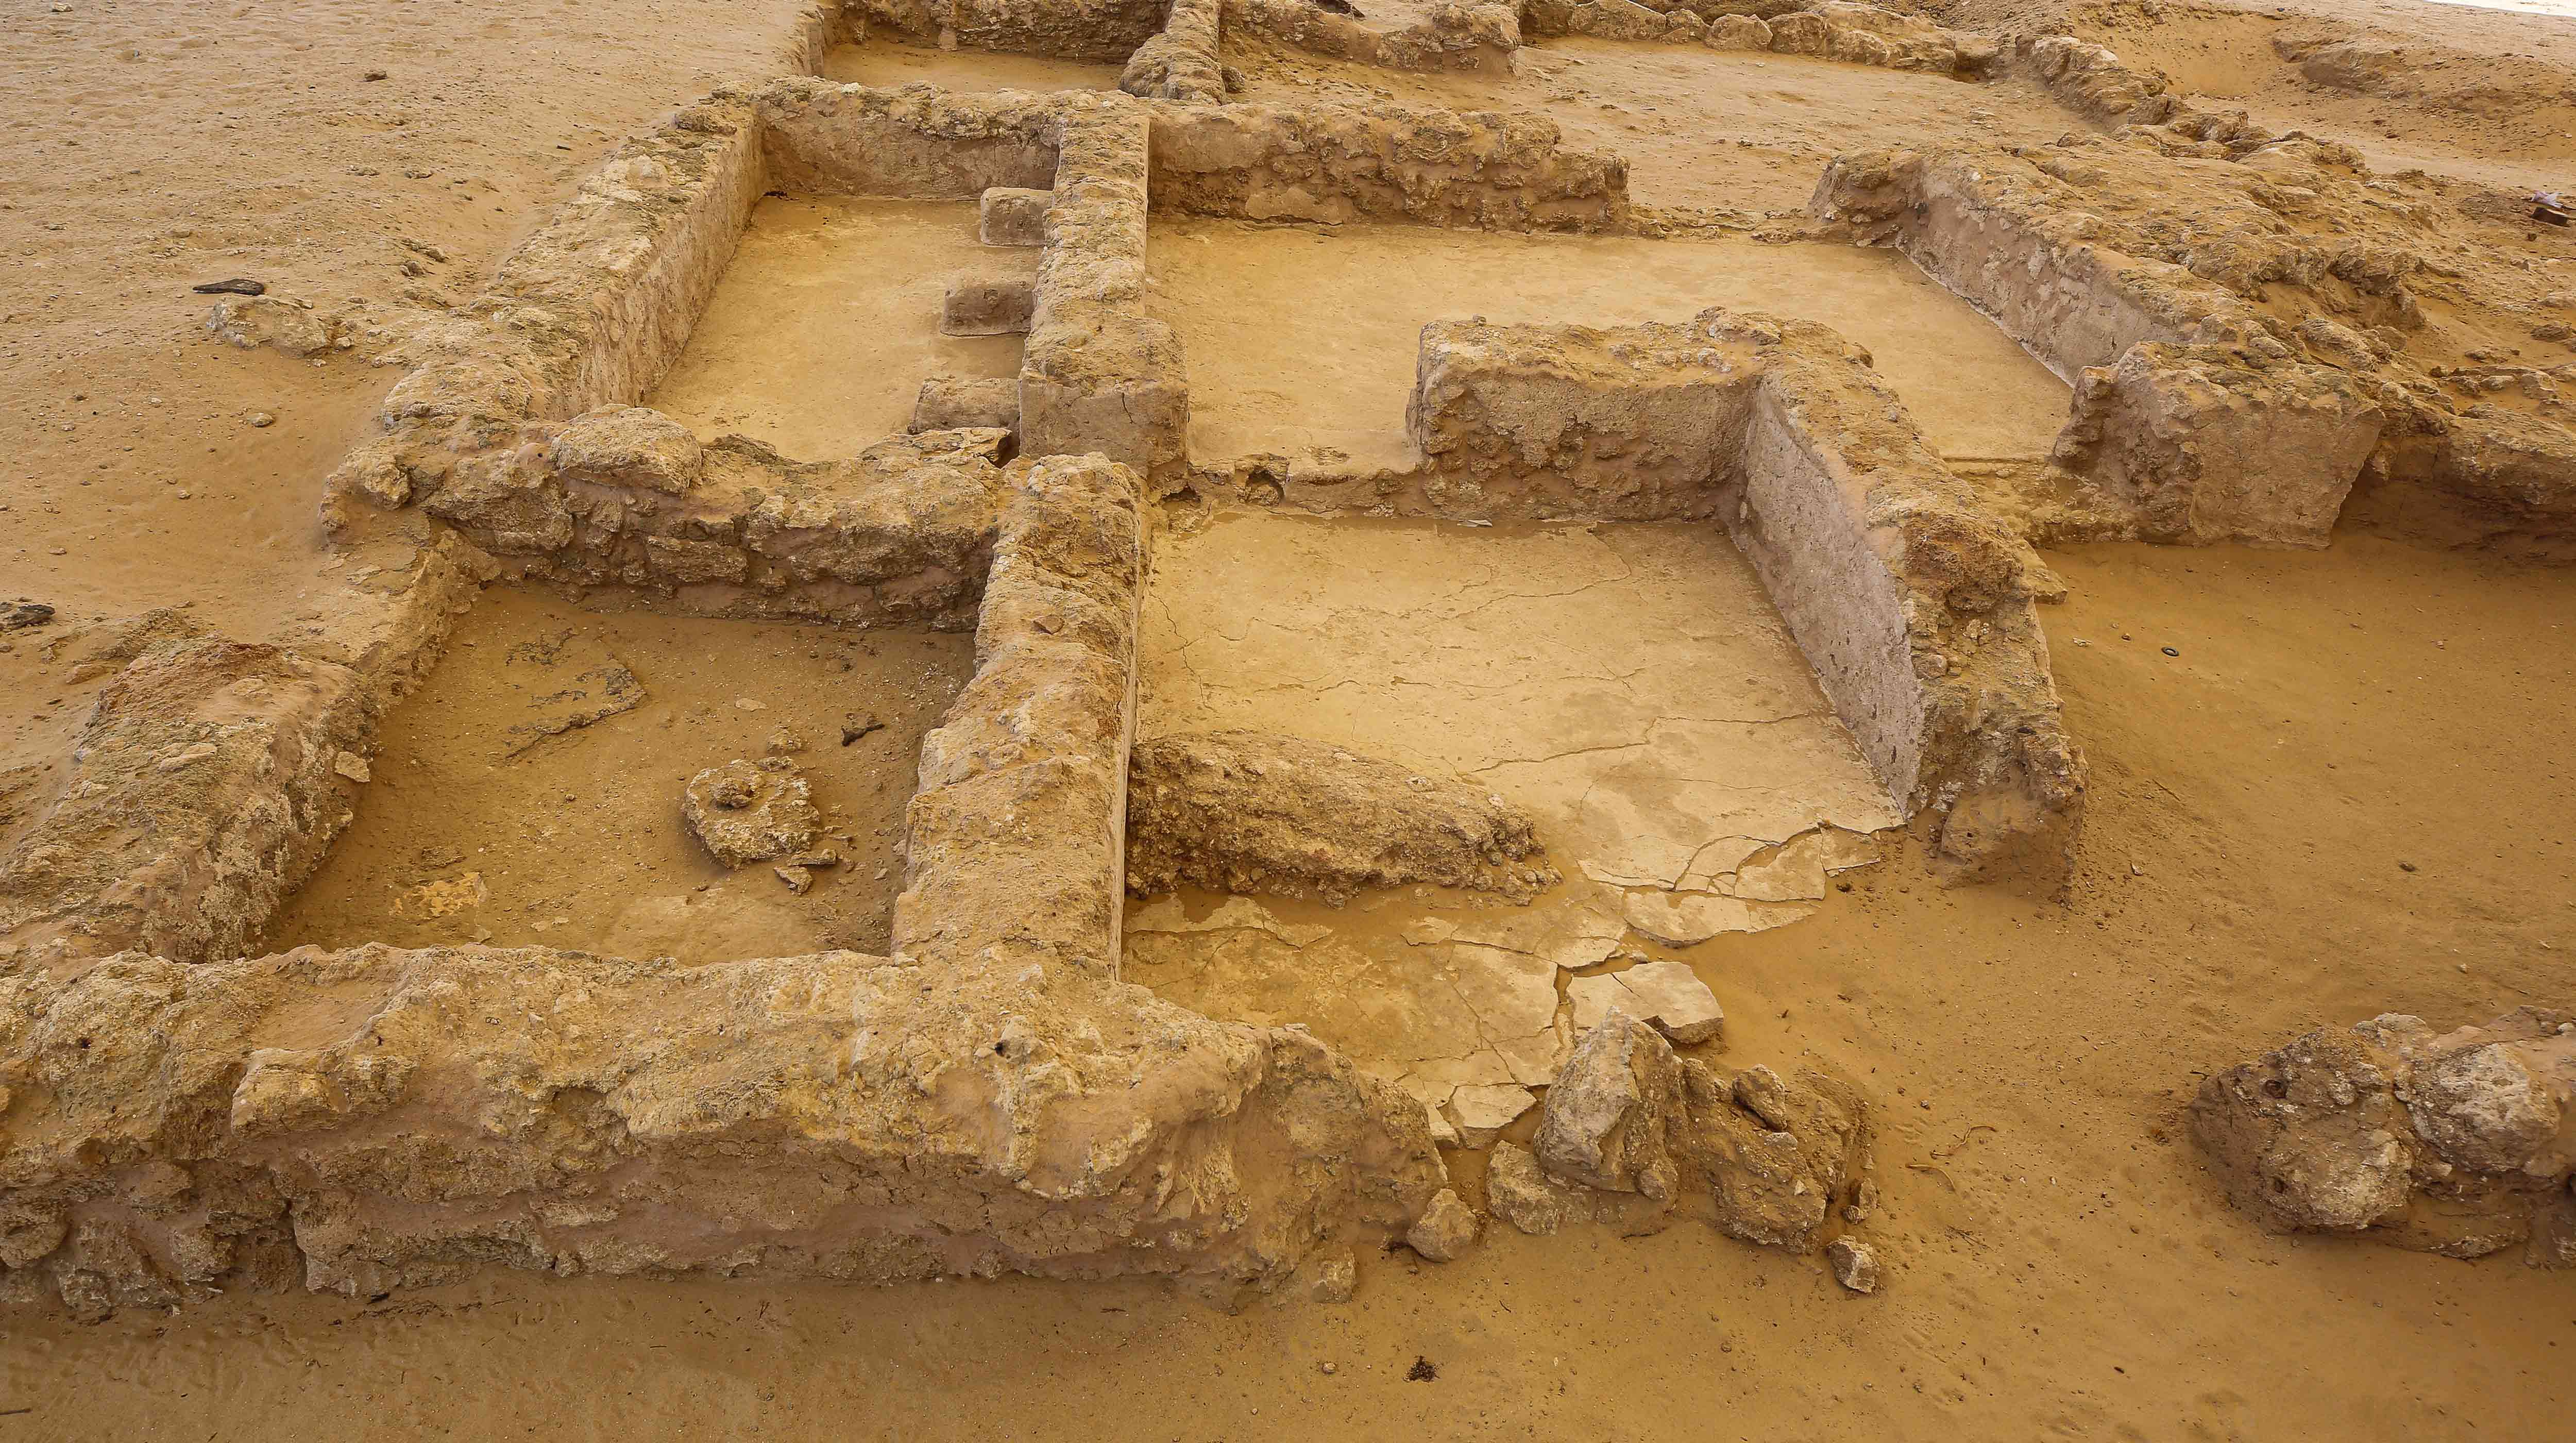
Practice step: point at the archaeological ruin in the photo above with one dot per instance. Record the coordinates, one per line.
(1083, 641)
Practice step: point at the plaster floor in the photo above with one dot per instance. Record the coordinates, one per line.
(1303, 340)
(1630, 686)
(827, 322)
(479, 824)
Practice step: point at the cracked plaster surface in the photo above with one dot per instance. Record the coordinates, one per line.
(1629, 685)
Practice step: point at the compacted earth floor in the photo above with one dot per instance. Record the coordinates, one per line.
(2348, 791)
(827, 322)
(529, 793)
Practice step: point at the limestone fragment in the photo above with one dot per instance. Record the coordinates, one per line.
(988, 306)
(1010, 216)
(1243, 811)
(1614, 1112)
(751, 812)
(948, 403)
(1521, 1193)
(1446, 1229)
(629, 446)
(1686, 919)
(1776, 1154)
(292, 327)
(1855, 1264)
(2453, 1142)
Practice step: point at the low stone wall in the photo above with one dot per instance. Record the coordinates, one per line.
(1103, 30)
(821, 138)
(594, 306)
(1832, 30)
(1908, 597)
(989, 1099)
(627, 497)
(2212, 419)
(1472, 170)
(1181, 62)
(2206, 444)
(211, 774)
(1099, 373)
(1465, 35)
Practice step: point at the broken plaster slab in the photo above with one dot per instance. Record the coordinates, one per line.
(1484, 1111)
(1667, 996)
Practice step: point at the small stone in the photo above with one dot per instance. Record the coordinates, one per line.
(798, 880)
(351, 765)
(16, 614)
(262, 419)
(746, 813)
(858, 726)
(1855, 1264)
(1446, 1229)
(783, 742)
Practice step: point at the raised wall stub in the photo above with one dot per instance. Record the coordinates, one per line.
(1907, 593)
(2260, 283)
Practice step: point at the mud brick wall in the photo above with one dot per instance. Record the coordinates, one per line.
(819, 138)
(1105, 30)
(1473, 37)
(1384, 163)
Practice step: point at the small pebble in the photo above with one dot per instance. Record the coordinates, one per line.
(262, 418)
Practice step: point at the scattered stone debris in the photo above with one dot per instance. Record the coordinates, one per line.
(1244, 811)
(752, 812)
(17, 614)
(1855, 1264)
(1446, 1229)
(2447, 1142)
(859, 726)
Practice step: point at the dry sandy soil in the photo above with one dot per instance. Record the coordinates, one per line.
(2348, 792)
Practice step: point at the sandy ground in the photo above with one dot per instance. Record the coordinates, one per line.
(827, 323)
(1300, 337)
(149, 150)
(500, 812)
(2060, 1266)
